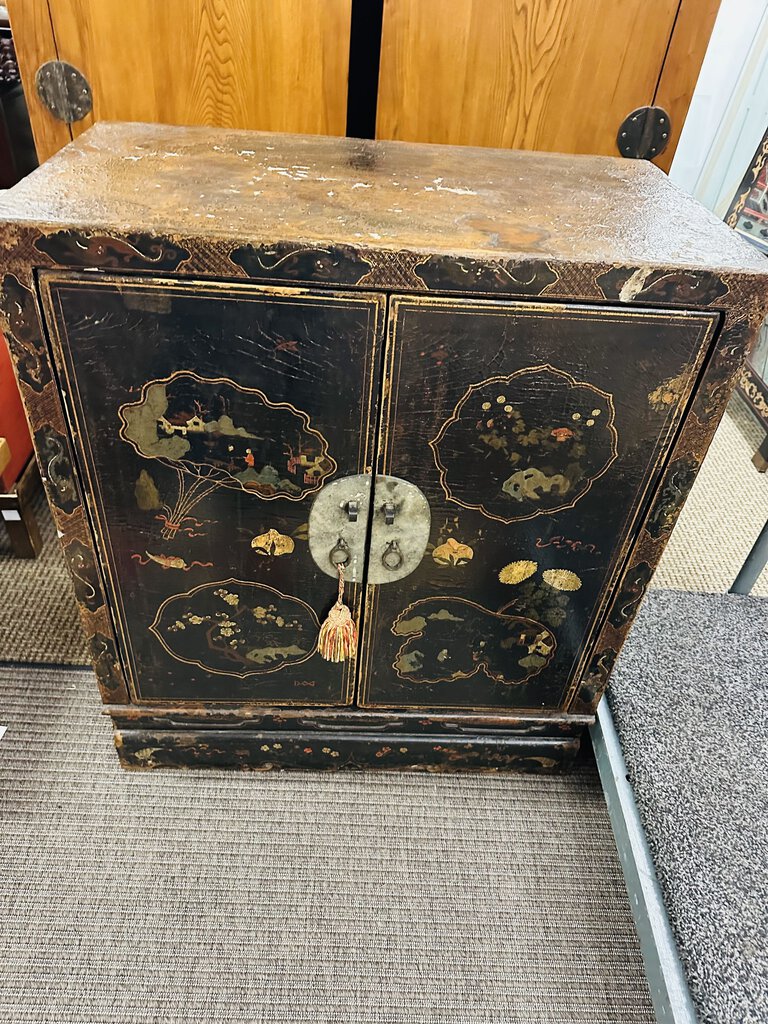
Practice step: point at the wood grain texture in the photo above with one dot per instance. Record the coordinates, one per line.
(35, 44)
(226, 63)
(556, 75)
(690, 38)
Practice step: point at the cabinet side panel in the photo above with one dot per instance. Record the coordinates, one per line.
(22, 325)
(713, 391)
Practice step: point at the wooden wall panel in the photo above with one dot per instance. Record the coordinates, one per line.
(689, 42)
(533, 74)
(35, 44)
(278, 66)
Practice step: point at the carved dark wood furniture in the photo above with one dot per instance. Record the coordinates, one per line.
(18, 515)
(487, 378)
(19, 478)
(748, 214)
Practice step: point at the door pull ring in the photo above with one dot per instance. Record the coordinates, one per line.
(339, 553)
(392, 558)
(377, 527)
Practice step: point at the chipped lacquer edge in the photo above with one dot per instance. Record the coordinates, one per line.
(331, 751)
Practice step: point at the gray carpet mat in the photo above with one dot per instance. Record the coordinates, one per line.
(690, 702)
(295, 897)
(39, 620)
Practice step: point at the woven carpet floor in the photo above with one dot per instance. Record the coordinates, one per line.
(38, 619)
(725, 511)
(690, 702)
(294, 897)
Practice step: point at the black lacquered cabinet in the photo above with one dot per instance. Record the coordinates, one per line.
(312, 345)
(748, 215)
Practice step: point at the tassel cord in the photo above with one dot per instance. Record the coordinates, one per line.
(337, 641)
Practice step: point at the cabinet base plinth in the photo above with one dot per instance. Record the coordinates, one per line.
(330, 750)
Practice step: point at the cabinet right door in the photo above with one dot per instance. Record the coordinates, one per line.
(535, 431)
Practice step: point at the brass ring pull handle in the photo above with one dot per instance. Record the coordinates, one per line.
(339, 553)
(393, 557)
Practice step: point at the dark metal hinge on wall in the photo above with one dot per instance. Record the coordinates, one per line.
(63, 90)
(644, 133)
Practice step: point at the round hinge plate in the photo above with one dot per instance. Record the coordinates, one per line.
(644, 133)
(63, 90)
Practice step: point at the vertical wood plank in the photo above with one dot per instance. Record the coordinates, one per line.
(556, 75)
(690, 38)
(5, 456)
(225, 63)
(34, 41)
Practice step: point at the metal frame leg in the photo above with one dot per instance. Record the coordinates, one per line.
(755, 563)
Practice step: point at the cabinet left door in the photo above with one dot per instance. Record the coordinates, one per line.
(206, 417)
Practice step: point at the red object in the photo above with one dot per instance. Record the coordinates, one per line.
(561, 434)
(13, 423)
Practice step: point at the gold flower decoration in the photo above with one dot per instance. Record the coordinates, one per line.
(668, 393)
(272, 543)
(452, 552)
(562, 579)
(516, 572)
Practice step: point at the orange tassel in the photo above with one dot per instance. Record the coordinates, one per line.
(338, 634)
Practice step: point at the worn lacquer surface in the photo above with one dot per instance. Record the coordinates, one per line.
(269, 190)
(203, 452)
(335, 750)
(535, 442)
(23, 329)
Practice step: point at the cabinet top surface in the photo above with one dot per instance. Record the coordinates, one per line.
(264, 187)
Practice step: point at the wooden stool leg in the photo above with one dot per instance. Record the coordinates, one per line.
(17, 514)
(760, 458)
(23, 531)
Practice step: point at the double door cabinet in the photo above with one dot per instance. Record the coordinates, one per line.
(515, 446)
(497, 462)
